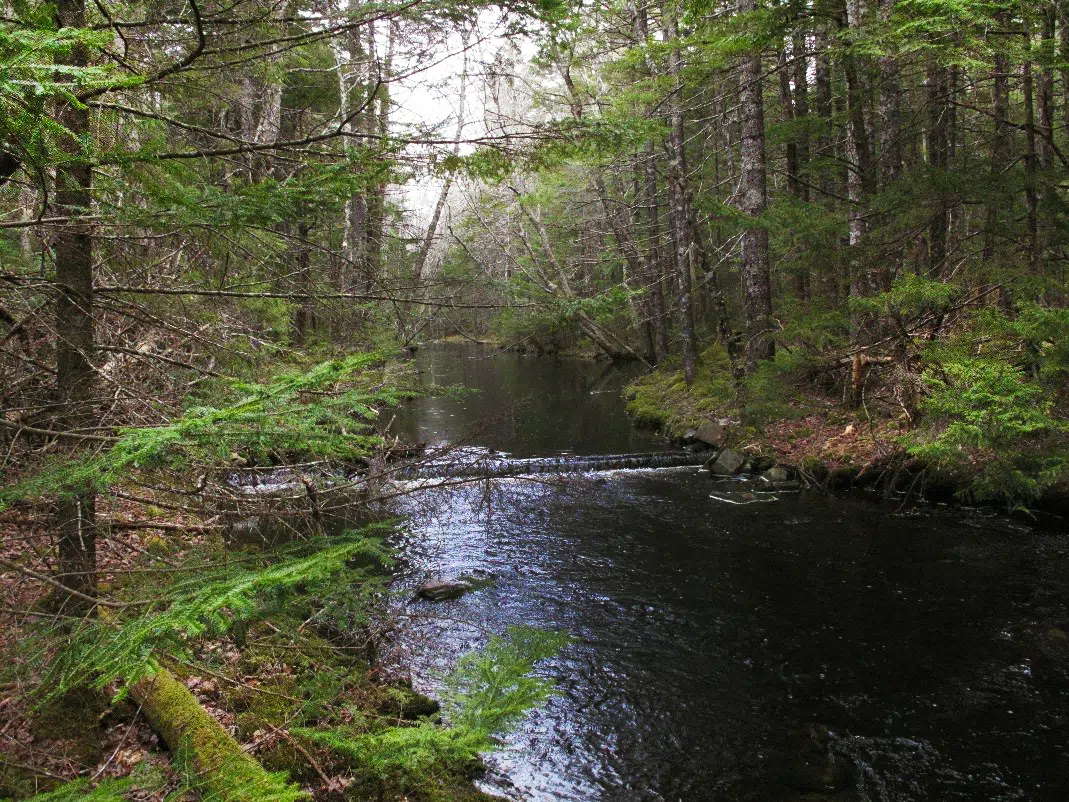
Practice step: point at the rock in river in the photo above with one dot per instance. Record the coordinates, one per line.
(727, 463)
(776, 475)
(810, 765)
(443, 589)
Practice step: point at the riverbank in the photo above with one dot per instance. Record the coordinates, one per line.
(291, 687)
(783, 418)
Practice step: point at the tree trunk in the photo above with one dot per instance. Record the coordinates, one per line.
(75, 373)
(677, 177)
(1000, 102)
(889, 113)
(801, 101)
(1030, 160)
(353, 92)
(792, 151)
(1063, 57)
(858, 174)
(303, 315)
(658, 327)
(379, 123)
(655, 257)
(828, 281)
(443, 196)
(220, 767)
(756, 284)
(937, 164)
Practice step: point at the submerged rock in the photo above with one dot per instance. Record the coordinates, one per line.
(810, 765)
(780, 479)
(443, 589)
(776, 475)
(727, 463)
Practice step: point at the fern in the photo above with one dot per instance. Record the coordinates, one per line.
(486, 695)
(490, 691)
(213, 602)
(297, 412)
(81, 790)
(987, 421)
(146, 777)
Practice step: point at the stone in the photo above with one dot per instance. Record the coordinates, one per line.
(690, 435)
(810, 765)
(713, 433)
(443, 589)
(726, 463)
(776, 475)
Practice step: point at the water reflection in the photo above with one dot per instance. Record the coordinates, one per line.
(933, 645)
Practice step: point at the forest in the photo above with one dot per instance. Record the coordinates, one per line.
(830, 234)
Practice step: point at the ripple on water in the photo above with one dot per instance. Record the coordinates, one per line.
(932, 644)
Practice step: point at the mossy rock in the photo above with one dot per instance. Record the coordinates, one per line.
(70, 723)
(759, 463)
(843, 476)
(401, 702)
(814, 466)
(284, 756)
(270, 704)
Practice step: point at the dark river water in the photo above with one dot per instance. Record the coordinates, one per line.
(931, 643)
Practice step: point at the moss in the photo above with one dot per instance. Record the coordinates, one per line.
(160, 545)
(17, 782)
(843, 476)
(216, 763)
(284, 756)
(401, 702)
(71, 724)
(269, 704)
(814, 466)
(662, 400)
(456, 788)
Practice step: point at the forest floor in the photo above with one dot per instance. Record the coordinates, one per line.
(784, 424)
(257, 684)
(788, 420)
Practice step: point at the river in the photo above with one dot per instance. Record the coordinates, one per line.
(711, 622)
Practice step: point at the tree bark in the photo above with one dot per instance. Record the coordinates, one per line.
(75, 372)
(858, 174)
(677, 179)
(937, 164)
(658, 327)
(1030, 159)
(379, 125)
(889, 113)
(999, 154)
(792, 150)
(353, 91)
(756, 283)
(304, 314)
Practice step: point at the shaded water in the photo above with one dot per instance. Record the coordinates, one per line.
(932, 643)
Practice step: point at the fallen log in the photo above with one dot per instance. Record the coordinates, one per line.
(220, 767)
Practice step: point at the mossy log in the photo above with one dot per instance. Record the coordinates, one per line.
(219, 766)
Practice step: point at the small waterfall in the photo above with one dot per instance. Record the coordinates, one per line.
(491, 466)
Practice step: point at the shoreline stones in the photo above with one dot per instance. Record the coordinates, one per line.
(726, 463)
(780, 479)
